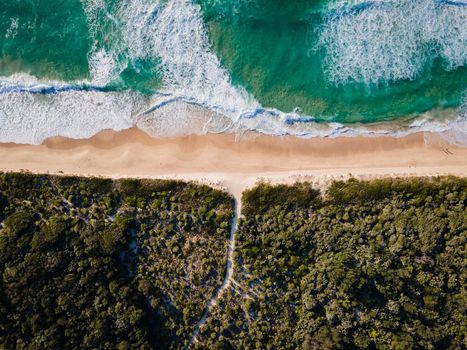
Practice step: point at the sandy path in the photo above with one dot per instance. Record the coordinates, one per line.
(227, 279)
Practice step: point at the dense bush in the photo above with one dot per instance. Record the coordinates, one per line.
(377, 264)
(260, 198)
(95, 263)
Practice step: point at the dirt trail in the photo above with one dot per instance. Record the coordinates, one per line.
(228, 274)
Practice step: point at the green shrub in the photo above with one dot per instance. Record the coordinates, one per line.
(96, 263)
(263, 197)
(374, 264)
(19, 222)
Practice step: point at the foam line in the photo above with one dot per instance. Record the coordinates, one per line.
(49, 89)
(162, 104)
(452, 3)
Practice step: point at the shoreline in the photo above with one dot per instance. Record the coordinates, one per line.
(221, 161)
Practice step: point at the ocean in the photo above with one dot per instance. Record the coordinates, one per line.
(278, 67)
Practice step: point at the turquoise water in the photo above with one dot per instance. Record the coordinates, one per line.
(259, 63)
(48, 39)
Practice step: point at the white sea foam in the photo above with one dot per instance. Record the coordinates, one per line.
(30, 117)
(71, 114)
(190, 68)
(387, 40)
(104, 63)
(12, 31)
(277, 123)
(137, 18)
(102, 67)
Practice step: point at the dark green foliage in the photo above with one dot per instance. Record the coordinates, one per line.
(93, 185)
(3, 203)
(114, 237)
(50, 232)
(142, 187)
(94, 263)
(18, 223)
(89, 263)
(354, 191)
(377, 265)
(260, 199)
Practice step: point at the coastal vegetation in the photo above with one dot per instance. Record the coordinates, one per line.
(120, 264)
(369, 265)
(95, 263)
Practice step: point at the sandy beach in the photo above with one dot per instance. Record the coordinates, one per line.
(223, 161)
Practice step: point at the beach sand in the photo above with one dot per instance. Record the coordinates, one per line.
(222, 161)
